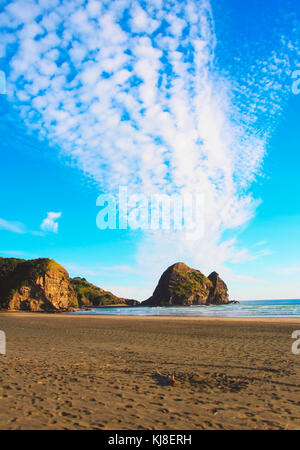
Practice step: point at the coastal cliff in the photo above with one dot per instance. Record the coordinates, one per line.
(35, 285)
(181, 285)
(44, 285)
(89, 295)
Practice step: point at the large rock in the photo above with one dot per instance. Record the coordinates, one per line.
(180, 285)
(219, 292)
(44, 285)
(35, 285)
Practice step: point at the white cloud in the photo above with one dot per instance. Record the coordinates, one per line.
(260, 243)
(15, 227)
(93, 8)
(78, 270)
(293, 270)
(23, 11)
(130, 108)
(130, 292)
(141, 21)
(98, 270)
(50, 222)
(11, 253)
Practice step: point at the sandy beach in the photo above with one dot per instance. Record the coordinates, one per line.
(73, 372)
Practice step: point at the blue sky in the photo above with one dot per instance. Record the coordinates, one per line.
(172, 97)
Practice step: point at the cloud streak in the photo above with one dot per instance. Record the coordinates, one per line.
(131, 93)
(293, 270)
(14, 227)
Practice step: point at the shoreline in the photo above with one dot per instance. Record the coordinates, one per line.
(140, 318)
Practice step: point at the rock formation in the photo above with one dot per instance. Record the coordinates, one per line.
(44, 285)
(219, 292)
(89, 295)
(35, 285)
(180, 285)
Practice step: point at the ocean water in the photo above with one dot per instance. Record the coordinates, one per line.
(254, 308)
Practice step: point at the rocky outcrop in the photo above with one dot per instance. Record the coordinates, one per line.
(181, 285)
(89, 295)
(35, 285)
(132, 302)
(44, 285)
(219, 292)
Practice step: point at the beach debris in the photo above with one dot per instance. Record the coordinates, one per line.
(165, 380)
(204, 382)
(173, 381)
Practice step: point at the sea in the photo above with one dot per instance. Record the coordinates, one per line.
(246, 308)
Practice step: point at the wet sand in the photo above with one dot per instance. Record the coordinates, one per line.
(75, 372)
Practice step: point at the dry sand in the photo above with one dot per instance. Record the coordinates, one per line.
(75, 372)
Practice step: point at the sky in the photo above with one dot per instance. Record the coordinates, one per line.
(163, 97)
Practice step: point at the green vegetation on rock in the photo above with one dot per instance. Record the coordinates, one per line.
(90, 295)
(187, 282)
(16, 274)
(44, 285)
(181, 285)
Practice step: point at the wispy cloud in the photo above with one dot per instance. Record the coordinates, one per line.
(99, 270)
(260, 243)
(293, 270)
(130, 91)
(137, 293)
(79, 270)
(12, 252)
(50, 222)
(14, 227)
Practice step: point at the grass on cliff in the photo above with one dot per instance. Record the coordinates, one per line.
(89, 294)
(26, 272)
(190, 282)
(16, 273)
